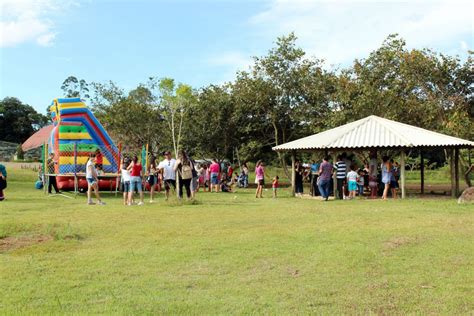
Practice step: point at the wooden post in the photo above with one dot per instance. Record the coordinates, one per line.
(334, 178)
(456, 172)
(451, 169)
(422, 171)
(402, 173)
(293, 172)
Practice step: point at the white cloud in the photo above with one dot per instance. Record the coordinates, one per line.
(234, 59)
(340, 31)
(29, 21)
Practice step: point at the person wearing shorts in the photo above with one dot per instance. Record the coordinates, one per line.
(135, 169)
(214, 169)
(92, 181)
(260, 178)
(125, 180)
(166, 166)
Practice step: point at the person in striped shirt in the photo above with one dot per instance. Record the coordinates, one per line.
(341, 172)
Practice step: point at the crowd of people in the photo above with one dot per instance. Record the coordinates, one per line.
(351, 180)
(184, 175)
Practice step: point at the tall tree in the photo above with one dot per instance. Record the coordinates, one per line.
(75, 88)
(18, 121)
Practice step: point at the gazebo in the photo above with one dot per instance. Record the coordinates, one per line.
(376, 133)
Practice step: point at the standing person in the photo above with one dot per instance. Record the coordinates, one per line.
(361, 182)
(324, 179)
(245, 175)
(135, 169)
(195, 179)
(184, 166)
(204, 177)
(51, 162)
(314, 178)
(99, 161)
(214, 170)
(275, 185)
(230, 171)
(394, 179)
(340, 167)
(152, 178)
(125, 179)
(260, 177)
(352, 178)
(373, 173)
(92, 181)
(386, 175)
(299, 174)
(3, 181)
(166, 166)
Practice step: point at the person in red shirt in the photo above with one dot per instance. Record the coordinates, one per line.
(99, 160)
(230, 171)
(275, 185)
(135, 169)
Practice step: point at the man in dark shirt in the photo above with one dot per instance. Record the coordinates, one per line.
(341, 172)
(51, 171)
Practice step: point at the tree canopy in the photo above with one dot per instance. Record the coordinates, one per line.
(18, 121)
(285, 94)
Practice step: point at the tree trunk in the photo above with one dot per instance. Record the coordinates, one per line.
(280, 156)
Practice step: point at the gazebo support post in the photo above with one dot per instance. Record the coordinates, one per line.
(293, 172)
(334, 178)
(451, 170)
(422, 171)
(456, 171)
(402, 173)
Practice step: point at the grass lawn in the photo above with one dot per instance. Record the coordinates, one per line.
(233, 254)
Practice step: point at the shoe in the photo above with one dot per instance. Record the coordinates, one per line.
(140, 203)
(101, 203)
(90, 203)
(151, 201)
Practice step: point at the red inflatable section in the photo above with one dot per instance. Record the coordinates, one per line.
(66, 183)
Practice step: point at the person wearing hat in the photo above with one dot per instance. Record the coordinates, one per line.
(166, 166)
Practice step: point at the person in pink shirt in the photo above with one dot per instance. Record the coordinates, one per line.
(260, 177)
(214, 170)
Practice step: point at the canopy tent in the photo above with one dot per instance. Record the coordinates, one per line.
(37, 139)
(374, 132)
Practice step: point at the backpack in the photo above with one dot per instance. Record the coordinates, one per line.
(186, 172)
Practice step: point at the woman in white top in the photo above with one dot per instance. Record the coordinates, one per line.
(125, 179)
(92, 181)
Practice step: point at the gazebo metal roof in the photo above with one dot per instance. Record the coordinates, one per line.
(374, 132)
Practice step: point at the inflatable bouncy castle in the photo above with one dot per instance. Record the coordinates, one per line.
(76, 134)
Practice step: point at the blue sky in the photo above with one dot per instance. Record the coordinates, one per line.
(201, 42)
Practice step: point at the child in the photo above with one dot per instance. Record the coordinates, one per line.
(3, 181)
(352, 179)
(125, 180)
(92, 181)
(361, 182)
(275, 186)
(226, 186)
(99, 161)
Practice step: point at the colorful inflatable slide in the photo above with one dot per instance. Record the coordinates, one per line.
(75, 135)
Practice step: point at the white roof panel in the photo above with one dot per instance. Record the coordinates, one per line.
(374, 131)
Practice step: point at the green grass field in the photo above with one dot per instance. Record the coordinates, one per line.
(233, 254)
